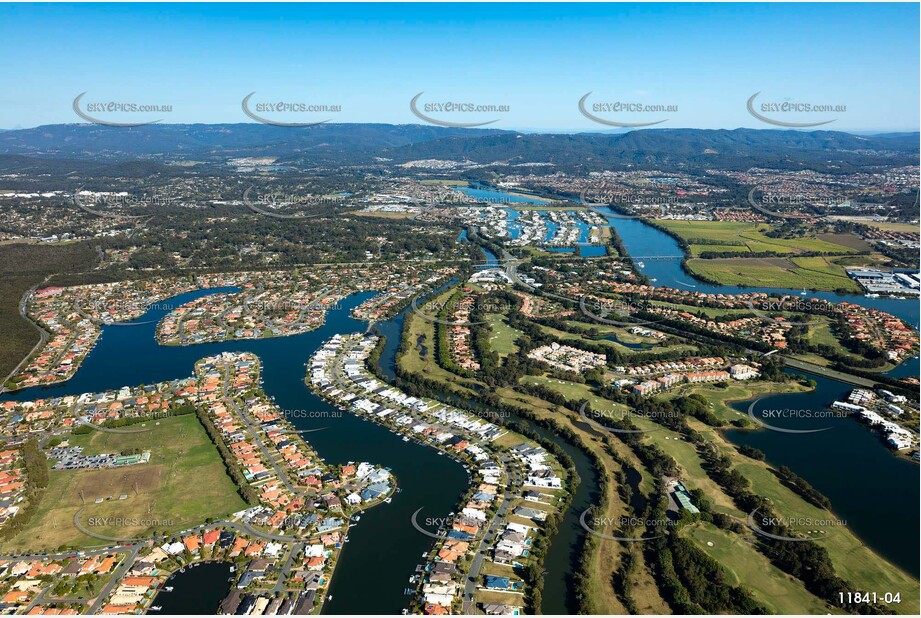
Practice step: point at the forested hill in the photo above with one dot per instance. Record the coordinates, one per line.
(372, 143)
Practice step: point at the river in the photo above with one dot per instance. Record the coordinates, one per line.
(873, 490)
(642, 240)
(868, 486)
(384, 548)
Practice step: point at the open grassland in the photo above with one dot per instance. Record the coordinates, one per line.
(893, 227)
(779, 592)
(846, 239)
(812, 273)
(751, 237)
(575, 339)
(184, 484)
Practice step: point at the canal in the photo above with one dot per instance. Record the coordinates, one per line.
(874, 491)
(384, 548)
(198, 589)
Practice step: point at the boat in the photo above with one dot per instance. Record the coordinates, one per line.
(155, 608)
(872, 295)
(168, 589)
(641, 264)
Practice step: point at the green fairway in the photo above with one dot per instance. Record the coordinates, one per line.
(780, 592)
(503, 336)
(720, 399)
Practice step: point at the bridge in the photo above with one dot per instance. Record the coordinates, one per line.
(657, 258)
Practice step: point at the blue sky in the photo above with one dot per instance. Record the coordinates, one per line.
(538, 59)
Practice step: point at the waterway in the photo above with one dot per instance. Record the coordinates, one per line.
(876, 493)
(198, 590)
(384, 548)
(642, 240)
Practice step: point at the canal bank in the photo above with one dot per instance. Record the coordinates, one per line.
(876, 493)
(383, 549)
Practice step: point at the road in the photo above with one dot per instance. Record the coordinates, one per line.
(510, 469)
(117, 575)
(834, 374)
(470, 586)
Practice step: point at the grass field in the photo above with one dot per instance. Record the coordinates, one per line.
(893, 227)
(721, 398)
(727, 236)
(779, 592)
(573, 338)
(811, 273)
(422, 335)
(503, 337)
(852, 559)
(184, 484)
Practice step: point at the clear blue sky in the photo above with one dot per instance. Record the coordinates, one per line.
(539, 59)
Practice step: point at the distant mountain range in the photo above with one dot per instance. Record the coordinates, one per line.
(217, 140)
(368, 143)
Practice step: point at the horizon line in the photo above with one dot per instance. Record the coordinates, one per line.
(536, 131)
